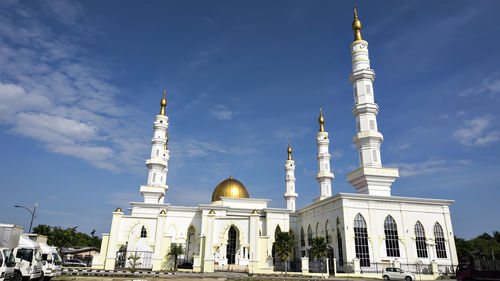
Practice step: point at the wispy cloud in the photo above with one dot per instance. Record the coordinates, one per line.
(51, 92)
(221, 112)
(420, 168)
(477, 132)
(429, 166)
(489, 87)
(400, 146)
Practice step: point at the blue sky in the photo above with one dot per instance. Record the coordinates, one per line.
(80, 83)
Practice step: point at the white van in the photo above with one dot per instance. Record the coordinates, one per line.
(51, 261)
(28, 257)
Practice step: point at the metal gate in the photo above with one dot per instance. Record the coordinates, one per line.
(137, 259)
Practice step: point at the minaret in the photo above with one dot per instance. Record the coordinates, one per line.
(290, 195)
(324, 176)
(154, 191)
(371, 178)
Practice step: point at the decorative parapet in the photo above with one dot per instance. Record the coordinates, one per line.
(373, 171)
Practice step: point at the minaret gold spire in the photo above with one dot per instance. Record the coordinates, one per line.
(356, 26)
(289, 150)
(321, 120)
(163, 102)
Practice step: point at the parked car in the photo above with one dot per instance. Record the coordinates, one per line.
(393, 273)
(74, 263)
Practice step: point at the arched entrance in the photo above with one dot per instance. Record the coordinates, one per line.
(231, 245)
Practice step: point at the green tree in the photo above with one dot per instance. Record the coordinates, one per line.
(175, 251)
(60, 237)
(283, 246)
(319, 249)
(134, 263)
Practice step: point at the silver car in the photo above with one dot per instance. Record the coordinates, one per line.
(393, 273)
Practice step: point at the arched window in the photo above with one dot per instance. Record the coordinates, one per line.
(327, 237)
(302, 238)
(391, 237)
(309, 235)
(361, 241)
(420, 240)
(144, 233)
(440, 246)
(278, 230)
(339, 244)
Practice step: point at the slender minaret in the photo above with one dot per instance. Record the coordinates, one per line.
(154, 191)
(324, 176)
(371, 177)
(290, 195)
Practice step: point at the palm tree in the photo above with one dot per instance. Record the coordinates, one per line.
(319, 249)
(175, 251)
(283, 246)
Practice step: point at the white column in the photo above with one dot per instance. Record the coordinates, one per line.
(324, 176)
(154, 191)
(371, 177)
(290, 195)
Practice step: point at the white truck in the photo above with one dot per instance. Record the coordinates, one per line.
(28, 255)
(51, 261)
(9, 239)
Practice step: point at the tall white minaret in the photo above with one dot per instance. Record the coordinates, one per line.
(371, 178)
(154, 191)
(290, 195)
(324, 176)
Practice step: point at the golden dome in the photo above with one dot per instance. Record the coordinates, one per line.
(163, 102)
(229, 188)
(356, 26)
(118, 210)
(321, 121)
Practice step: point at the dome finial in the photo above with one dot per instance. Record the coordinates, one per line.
(231, 174)
(321, 120)
(356, 26)
(289, 150)
(163, 102)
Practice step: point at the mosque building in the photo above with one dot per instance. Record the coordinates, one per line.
(365, 231)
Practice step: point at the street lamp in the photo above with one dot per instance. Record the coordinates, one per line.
(32, 212)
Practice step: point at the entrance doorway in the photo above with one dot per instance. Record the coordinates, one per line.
(231, 246)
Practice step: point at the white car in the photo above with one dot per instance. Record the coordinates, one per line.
(393, 273)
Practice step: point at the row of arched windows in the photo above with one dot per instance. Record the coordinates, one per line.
(391, 239)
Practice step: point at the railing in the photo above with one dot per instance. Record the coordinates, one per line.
(292, 266)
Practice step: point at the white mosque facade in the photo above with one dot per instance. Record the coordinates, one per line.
(365, 231)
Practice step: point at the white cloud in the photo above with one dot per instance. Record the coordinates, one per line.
(401, 146)
(420, 168)
(477, 132)
(51, 92)
(221, 112)
(490, 87)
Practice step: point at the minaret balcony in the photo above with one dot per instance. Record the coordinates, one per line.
(366, 135)
(290, 194)
(156, 161)
(362, 74)
(365, 108)
(324, 175)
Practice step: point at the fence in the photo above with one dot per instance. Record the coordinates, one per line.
(416, 268)
(292, 266)
(144, 261)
